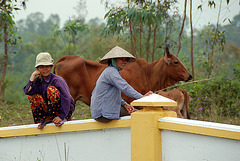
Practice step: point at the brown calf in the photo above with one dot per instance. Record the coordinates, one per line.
(181, 97)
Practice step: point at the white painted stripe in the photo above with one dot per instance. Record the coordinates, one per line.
(202, 124)
(52, 124)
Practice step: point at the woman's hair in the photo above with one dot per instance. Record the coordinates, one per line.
(109, 62)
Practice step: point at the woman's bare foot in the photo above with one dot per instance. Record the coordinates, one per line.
(44, 123)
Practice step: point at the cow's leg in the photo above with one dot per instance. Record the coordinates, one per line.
(170, 108)
(181, 106)
(184, 111)
(175, 109)
(178, 111)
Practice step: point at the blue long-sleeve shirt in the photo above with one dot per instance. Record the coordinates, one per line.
(39, 86)
(106, 97)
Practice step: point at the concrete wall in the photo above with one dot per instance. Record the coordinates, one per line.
(145, 136)
(179, 146)
(187, 144)
(88, 145)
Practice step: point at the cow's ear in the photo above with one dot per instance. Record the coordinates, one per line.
(167, 51)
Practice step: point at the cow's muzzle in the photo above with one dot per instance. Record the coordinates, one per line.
(190, 77)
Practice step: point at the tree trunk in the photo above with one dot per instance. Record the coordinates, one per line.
(214, 42)
(180, 34)
(154, 42)
(140, 39)
(131, 35)
(191, 40)
(148, 41)
(4, 63)
(166, 36)
(74, 44)
(135, 44)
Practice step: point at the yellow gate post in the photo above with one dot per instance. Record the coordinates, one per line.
(145, 135)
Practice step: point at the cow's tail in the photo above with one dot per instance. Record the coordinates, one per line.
(186, 100)
(59, 60)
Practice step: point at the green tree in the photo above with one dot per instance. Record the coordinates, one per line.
(141, 20)
(69, 33)
(182, 28)
(8, 30)
(35, 25)
(44, 28)
(33, 21)
(81, 11)
(233, 34)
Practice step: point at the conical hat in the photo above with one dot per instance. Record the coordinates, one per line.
(117, 52)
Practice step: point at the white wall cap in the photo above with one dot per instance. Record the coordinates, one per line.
(154, 98)
(201, 123)
(52, 124)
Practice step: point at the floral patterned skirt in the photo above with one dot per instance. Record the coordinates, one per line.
(51, 108)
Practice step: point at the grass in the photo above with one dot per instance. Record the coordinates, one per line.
(214, 117)
(20, 114)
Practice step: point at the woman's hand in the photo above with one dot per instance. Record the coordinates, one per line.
(57, 120)
(148, 93)
(129, 108)
(34, 74)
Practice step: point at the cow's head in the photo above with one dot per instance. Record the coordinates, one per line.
(175, 69)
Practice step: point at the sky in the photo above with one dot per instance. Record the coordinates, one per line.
(65, 9)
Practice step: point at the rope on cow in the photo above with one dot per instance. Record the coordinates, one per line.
(170, 87)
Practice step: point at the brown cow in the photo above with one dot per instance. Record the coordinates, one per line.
(81, 74)
(181, 97)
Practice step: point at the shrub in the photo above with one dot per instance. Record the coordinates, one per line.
(215, 100)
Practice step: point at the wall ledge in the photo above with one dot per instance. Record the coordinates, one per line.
(200, 127)
(70, 126)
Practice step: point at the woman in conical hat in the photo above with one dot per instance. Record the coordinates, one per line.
(106, 101)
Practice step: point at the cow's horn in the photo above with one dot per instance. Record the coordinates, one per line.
(167, 50)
